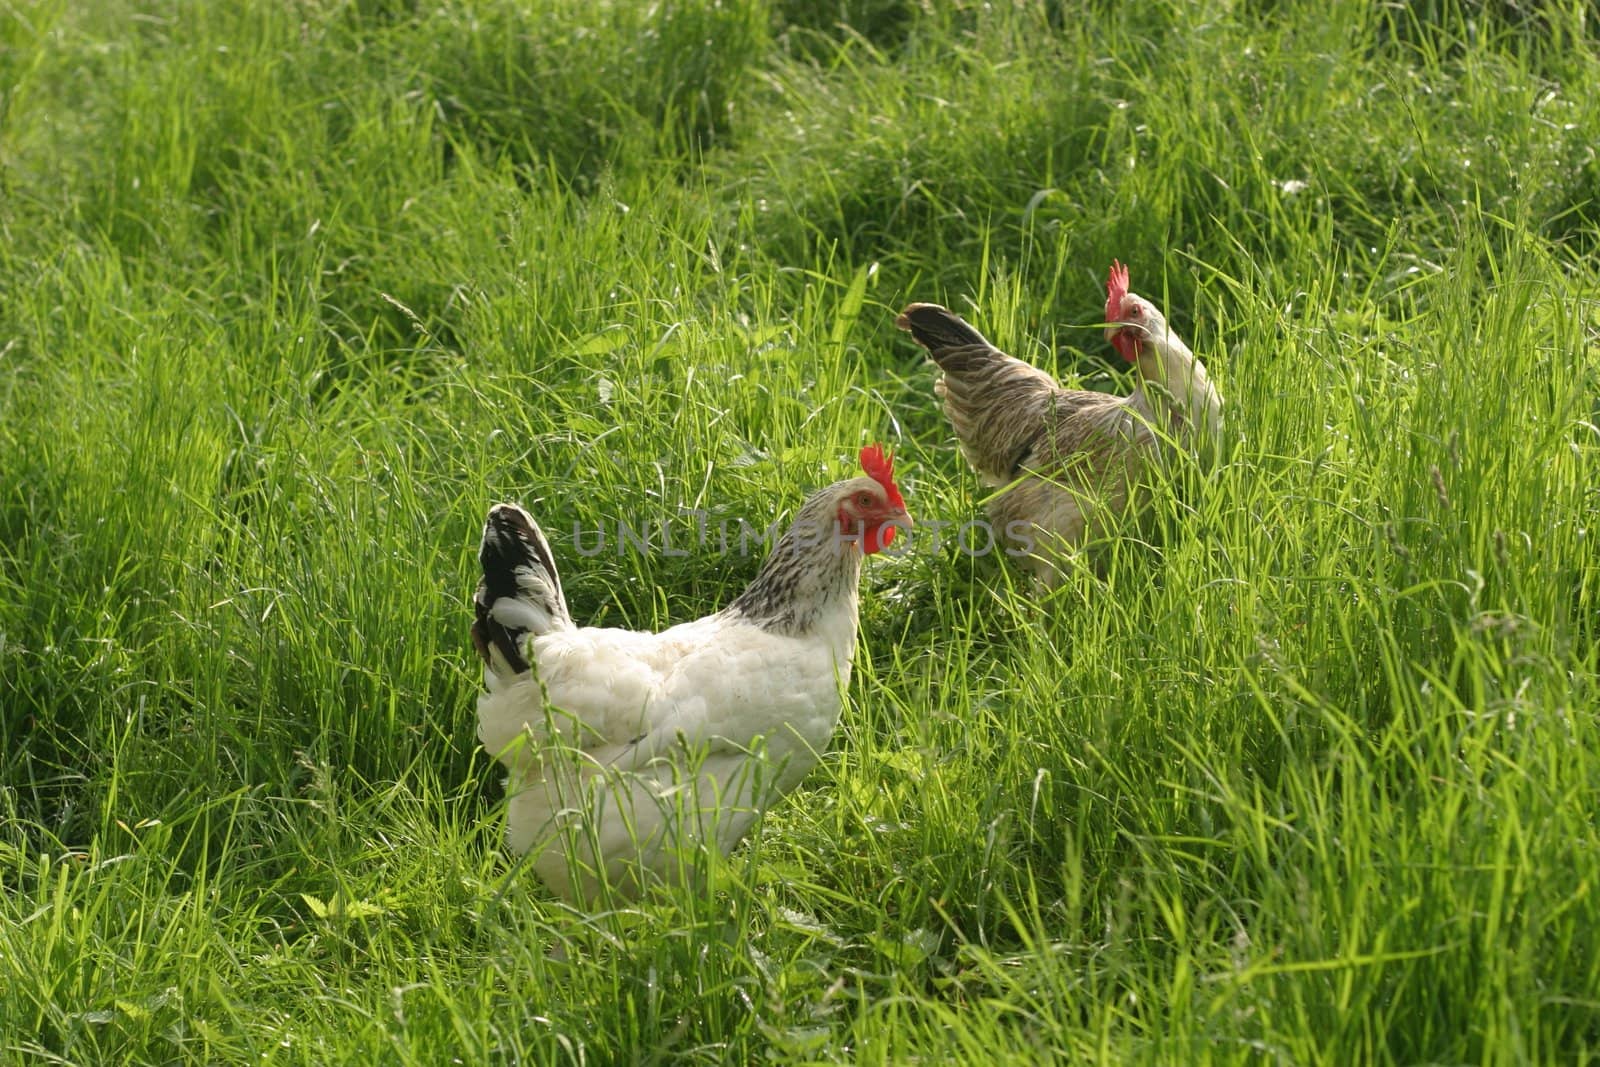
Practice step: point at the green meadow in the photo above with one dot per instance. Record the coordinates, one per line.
(1306, 770)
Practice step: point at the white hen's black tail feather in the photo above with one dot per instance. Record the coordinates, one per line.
(520, 591)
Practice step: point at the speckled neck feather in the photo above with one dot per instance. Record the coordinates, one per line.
(810, 571)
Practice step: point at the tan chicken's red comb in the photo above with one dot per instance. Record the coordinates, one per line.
(879, 466)
(1116, 289)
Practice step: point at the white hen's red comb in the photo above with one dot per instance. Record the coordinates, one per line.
(879, 466)
(1116, 289)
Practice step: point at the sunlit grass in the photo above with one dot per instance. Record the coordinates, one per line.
(1306, 772)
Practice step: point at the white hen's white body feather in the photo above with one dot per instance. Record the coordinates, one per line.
(623, 735)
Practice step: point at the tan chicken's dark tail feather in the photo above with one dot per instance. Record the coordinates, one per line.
(938, 329)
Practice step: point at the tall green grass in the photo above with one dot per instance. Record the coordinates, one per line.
(1308, 773)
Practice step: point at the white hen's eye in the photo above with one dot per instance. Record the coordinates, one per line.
(864, 499)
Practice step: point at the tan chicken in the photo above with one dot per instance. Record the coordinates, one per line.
(1072, 459)
(628, 750)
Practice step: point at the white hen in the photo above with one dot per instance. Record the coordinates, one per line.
(626, 750)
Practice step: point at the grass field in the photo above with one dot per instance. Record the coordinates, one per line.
(291, 291)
